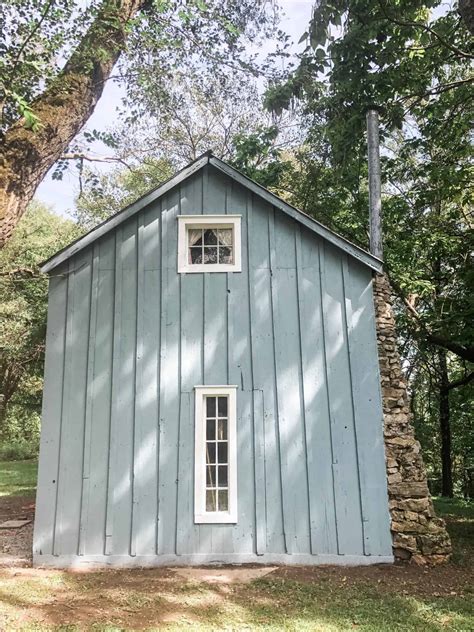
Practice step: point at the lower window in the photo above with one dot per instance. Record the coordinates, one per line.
(215, 494)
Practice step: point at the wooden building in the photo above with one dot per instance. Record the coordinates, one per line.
(212, 389)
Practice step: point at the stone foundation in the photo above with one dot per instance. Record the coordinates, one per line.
(417, 534)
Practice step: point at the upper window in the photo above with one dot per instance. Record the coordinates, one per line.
(215, 454)
(209, 243)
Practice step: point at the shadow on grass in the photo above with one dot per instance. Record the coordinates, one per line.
(155, 598)
(459, 516)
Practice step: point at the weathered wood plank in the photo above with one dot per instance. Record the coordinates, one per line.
(316, 404)
(146, 398)
(74, 404)
(114, 401)
(240, 373)
(191, 375)
(89, 398)
(170, 379)
(288, 367)
(347, 496)
(367, 409)
(123, 486)
(263, 361)
(94, 540)
(51, 415)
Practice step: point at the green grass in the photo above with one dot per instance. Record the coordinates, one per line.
(459, 516)
(18, 478)
(388, 599)
(150, 600)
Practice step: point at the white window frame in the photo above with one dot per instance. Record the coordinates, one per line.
(201, 516)
(186, 222)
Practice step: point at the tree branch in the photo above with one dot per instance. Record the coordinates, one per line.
(81, 156)
(426, 28)
(461, 382)
(421, 329)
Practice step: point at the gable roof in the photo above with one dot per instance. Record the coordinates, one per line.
(208, 159)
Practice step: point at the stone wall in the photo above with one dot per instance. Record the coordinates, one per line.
(418, 535)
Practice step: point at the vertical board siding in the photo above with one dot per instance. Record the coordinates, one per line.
(288, 380)
(239, 372)
(170, 379)
(192, 323)
(315, 396)
(100, 360)
(367, 409)
(146, 402)
(125, 411)
(51, 414)
(263, 362)
(74, 405)
(129, 339)
(345, 465)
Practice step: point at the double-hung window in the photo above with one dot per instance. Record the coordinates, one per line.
(209, 243)
(215, 454)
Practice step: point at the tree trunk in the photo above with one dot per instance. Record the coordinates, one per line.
(64, 107)
(466, 11)
(445, 427)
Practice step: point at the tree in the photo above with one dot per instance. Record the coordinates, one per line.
(24, 305)
(223, 115)
(44, 105)
(414, 64)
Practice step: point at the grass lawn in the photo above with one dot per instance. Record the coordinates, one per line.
(371, 599)
(18, 478)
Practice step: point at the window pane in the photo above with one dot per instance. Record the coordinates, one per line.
(210, 429)
(211, 476)
(223, 478)
(222, 429)
(210, 406)
(210, 452)
(222, 452)
(210, 237)
(225, 254)
(211, 500)
(210, 254)
(223, 500)
(225, 236)
(195, 254)
(195, 236)
(222, 406)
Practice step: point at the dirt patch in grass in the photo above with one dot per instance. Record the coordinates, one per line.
(381, 598)
(400, 579)
(15, 544)
(329, 599)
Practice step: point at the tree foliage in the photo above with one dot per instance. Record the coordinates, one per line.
(23, 317)
(412, 61)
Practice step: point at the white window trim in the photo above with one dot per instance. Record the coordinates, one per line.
(186, 222)
(201, 516)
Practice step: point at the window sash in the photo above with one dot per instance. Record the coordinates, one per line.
(215, 467)
(223, 246)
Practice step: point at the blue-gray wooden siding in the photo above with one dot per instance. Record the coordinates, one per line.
(129, 338)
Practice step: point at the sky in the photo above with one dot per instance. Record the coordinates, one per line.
(60, 194)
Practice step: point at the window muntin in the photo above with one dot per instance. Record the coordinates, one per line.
(215, 454)
(209, 243)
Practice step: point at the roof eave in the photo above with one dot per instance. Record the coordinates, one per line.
(352, 249)
(120, 217)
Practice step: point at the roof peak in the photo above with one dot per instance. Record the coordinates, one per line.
(208, 158)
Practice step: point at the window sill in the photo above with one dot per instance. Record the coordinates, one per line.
(215, 518)
(209, 267)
